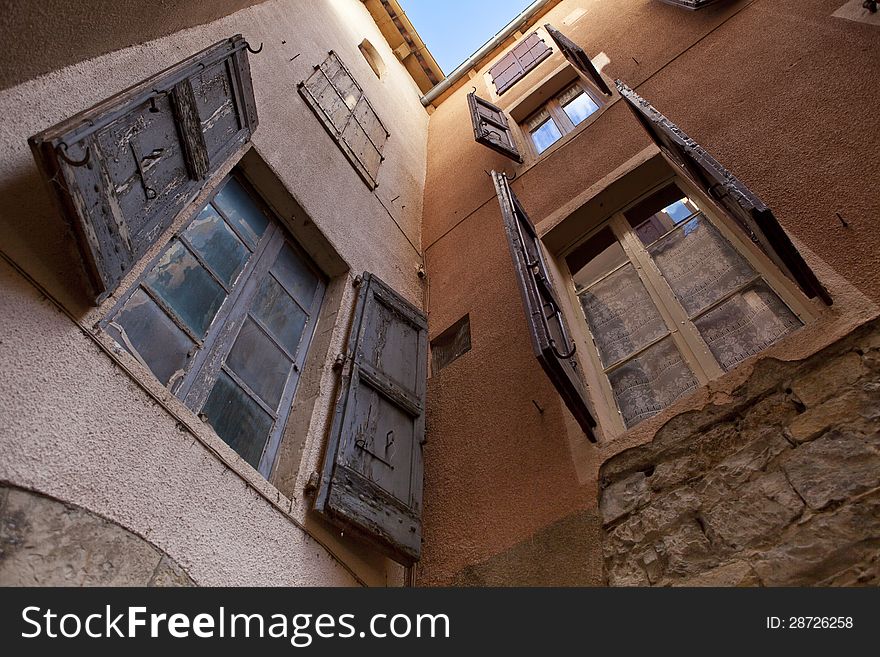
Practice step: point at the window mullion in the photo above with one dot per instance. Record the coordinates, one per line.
(690, 343)
(560, 117)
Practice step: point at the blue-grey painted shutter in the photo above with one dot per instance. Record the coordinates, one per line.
(372, 478)
(578, 58)
(122, 170)
(551, 342)
(748, 211)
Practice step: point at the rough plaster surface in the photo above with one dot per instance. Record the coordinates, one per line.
(76, 427)
(46, 543)
(778, 487)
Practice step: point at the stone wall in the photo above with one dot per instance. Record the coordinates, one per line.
(779, 486)
(44, 542)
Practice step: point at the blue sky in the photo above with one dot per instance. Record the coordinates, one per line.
(454, 29)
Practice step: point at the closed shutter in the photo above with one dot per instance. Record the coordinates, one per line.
(372, 479)
(550, 339)
(578, 58)
(749, 213)
(525, 56)
(122, 170)
(491, 127)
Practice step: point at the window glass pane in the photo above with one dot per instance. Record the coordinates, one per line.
(650, 382)
(745, 324)
(699, 264)
(242, 211)
(545, 135)
(238, 419)
(579, 107)
(187, 287)
(295, 275)
(259, 363)
(660, 213)
(157, 340)
(621, 315)
(217, 244)
(280, 315)
(595, 258)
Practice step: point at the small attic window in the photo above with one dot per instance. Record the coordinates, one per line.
(373, 59)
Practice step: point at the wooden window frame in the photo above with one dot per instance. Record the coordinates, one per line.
(208, 360)
(691, 345)
(557, 114)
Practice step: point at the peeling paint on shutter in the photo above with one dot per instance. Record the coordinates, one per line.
(578, 58)
(373, 468)
(551, 342)
(749, 213)
(122, 170)
(491, 127)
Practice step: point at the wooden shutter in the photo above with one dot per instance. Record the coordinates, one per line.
(122, 170)
(525, 56)
(551, 342)
(747, 210)
(372, 479)
(578, 58)
(491, 127)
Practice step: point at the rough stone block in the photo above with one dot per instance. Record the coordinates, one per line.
(774, 410)
(831, 413)
(687, 550)
(756, 512)
(834, 467)
(623, 497)
(828, 380)
(736, 573)
(825, 545)
(738, 468)
(666, 510)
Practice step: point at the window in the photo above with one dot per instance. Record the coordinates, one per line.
(560, 115)
(223, 317)
(525, 56)
(340, 104)
(670, 302)
(452, 343)
(374, 59)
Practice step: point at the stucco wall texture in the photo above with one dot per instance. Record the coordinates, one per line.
(776, 90)
(76, 427)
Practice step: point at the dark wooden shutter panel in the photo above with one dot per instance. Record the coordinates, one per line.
(550, 339)
(491, 127)
(373, 468)
(525, 56)
(578, 58)
(122, 170)
(747, 210)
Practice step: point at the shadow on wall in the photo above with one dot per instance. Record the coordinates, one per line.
(39, 239)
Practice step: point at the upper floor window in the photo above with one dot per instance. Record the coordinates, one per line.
(560, 115)
(670, 302)
(525, 56)
(338, 101)
(223, 317)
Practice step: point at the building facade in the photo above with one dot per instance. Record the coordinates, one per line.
(282, 305)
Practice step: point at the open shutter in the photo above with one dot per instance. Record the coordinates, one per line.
(550, 339)
(491, 127)
(525, 56)
(372, 479)
(122, 170)
(578, 58)
(746, 209)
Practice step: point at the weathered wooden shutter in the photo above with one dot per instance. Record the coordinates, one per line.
(491, 127)
(525, 56)
(578, 58)
(550, 339)
(747, 210)
(372, 478)
(122, 170)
